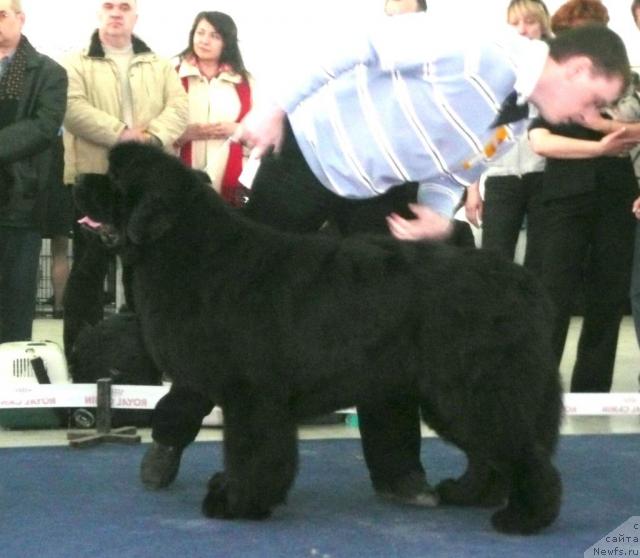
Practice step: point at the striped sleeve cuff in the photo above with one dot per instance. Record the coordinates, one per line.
(441, 198)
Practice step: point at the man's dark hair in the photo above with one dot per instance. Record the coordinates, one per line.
(602, 46)
(422, 4)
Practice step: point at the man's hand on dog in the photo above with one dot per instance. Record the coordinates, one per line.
(428, 225)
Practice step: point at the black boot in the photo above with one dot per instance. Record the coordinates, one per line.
(160, 465)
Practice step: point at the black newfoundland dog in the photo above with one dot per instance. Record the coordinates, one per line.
(278, 327)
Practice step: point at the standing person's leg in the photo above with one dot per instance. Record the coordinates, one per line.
(59, 219)
(59, 271)
(389, 429)
(534, 250)
(634, 291)
(567, 225)
(19, 258)
(391, 439)
(503, 214)
(607, 286)
(287, 195)
(462, 235)
(391, 434)
(83, 298)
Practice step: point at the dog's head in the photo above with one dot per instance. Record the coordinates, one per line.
(141, 197)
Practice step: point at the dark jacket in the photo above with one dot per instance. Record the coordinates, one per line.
(26, 145)
(564, 178)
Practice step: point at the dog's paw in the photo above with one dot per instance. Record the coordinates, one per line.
(215, 503)
(220, 503)
(514, 522)
(456, 493)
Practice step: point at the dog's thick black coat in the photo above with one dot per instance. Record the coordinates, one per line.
(276, 327)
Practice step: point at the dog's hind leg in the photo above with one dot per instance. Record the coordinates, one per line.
(534, 496)
(481, 485)
(260, 453)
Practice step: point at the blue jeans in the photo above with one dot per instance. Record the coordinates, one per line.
(19, 260)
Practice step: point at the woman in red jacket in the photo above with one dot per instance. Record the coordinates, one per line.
(220, 94)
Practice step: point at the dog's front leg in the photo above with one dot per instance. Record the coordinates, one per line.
(260, 452)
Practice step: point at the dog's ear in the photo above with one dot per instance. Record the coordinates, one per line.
(154, 185)
(150, 219)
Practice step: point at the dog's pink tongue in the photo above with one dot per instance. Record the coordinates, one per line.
(88, 222)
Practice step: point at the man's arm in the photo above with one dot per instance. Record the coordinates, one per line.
(31, 135)
(546, 143)
(393, 43)
(415, 41)
(170, 124)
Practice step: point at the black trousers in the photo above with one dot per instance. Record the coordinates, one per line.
(287, 195)
(589, 241)
(510, 201)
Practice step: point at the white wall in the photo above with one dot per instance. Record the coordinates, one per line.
(267, 28)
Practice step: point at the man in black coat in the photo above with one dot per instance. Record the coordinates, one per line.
(33, 96)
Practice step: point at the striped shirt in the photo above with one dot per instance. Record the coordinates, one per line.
(407, 101)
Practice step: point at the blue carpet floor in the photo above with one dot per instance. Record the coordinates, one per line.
(62, 502)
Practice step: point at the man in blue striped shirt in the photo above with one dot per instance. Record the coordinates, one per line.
(408, 100)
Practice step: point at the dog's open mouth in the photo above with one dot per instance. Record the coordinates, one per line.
(108, 234)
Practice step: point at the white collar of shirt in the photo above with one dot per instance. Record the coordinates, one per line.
(530, 68)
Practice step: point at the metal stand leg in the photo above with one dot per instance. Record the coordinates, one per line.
(124, 435)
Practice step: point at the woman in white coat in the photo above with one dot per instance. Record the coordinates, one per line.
(220, 94)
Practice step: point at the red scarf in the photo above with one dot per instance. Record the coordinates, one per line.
(233, 169)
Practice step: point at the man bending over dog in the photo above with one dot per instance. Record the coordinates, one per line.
(403, 101)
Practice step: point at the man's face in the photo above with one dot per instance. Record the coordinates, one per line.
(11, 24)
(116, 20)
(580, 94)
(396, 7)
